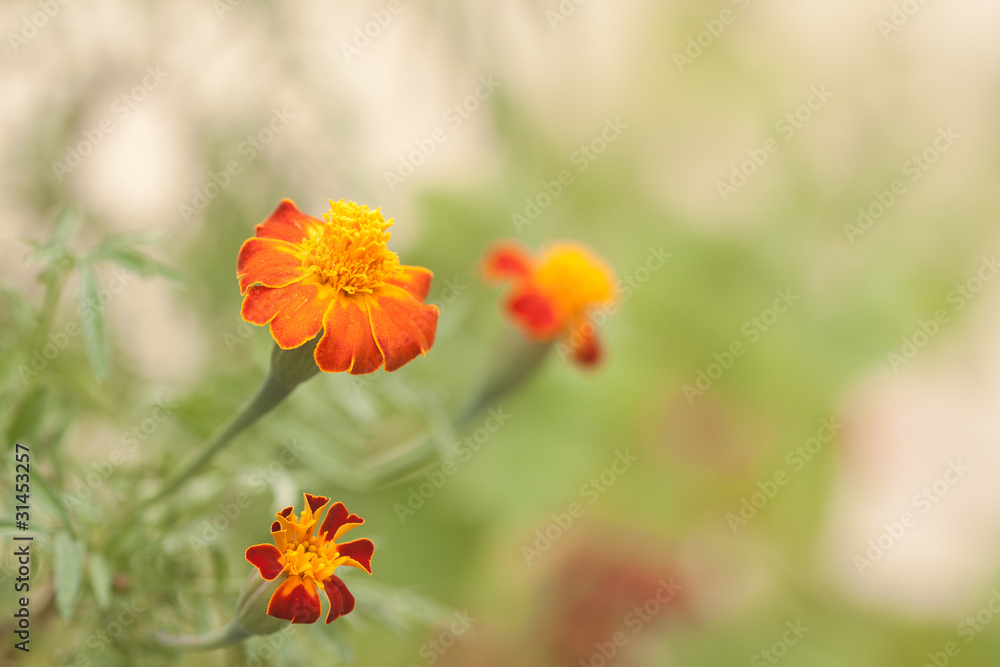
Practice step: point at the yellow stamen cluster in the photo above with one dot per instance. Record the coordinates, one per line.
(574, 278)
(311, 557)
(349, 252)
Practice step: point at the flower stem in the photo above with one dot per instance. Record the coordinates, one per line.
(516, 362)
(289, 368)
(227, 636)
(270, 394)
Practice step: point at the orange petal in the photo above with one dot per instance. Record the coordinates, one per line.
(287, 223)
(414, 279)
(270, 262)
(535, 312)
(403, 326)
(295, 312)
(300, 317)
(267, 559)
(347, 343)
(359, 552)
(505, 261)
(341, 600)
(296, 601)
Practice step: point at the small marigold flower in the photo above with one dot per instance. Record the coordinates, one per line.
(308, 560)
(554, 293)
(302, 275)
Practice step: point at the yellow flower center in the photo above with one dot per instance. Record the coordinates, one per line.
(311, 557)
(574, 278)
(349, 252)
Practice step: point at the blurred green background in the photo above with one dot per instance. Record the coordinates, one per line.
(822, 175)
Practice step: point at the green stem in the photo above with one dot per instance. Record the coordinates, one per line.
(270, 394)
(227, 636)
(289, 368)
(517, 362)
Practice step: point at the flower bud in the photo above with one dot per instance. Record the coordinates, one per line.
(292, 367)
(251, 607)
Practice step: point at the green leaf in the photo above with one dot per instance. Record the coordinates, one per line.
(92, 319)
(100, 579)
(66, 224)
(57, 246)
(49, 497)
(124, 254)
(27, 416)
(67, 562)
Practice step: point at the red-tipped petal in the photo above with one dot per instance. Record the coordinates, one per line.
(403, 327)
(535, 312)
(414, 279)
(585, 344)
(266, 558)
(316, 502)
(286, 223)
(270, 262)
(341, 600)
(360, 552)
(506, 261)
(347, 343)
(295, 601)
(338, 521)
(286, 512)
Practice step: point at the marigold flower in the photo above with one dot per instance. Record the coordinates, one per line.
(302, 275)
(309, 558)
(554, 293)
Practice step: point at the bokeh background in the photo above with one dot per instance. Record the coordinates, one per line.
(826, 496)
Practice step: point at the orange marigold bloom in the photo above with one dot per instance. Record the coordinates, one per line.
(302, 275)
(309, 559)
(554, 293)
